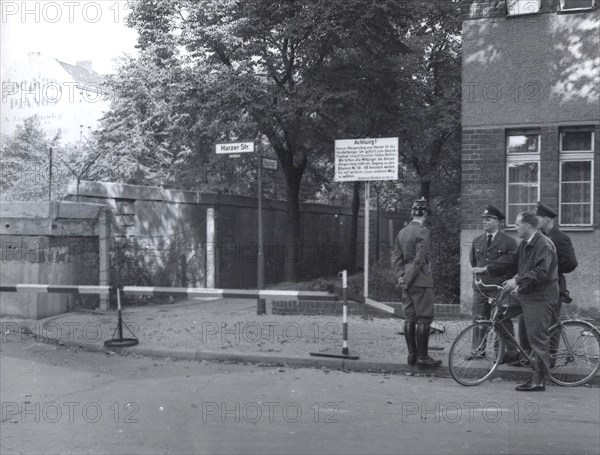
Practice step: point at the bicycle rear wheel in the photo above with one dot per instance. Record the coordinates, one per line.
(574, 353)
(476, 353)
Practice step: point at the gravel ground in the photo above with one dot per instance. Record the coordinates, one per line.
(233, 326)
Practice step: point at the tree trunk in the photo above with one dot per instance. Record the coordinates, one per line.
(351, 263)
(425, 188)
(293, 238)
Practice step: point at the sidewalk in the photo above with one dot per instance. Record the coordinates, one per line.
(230, 330)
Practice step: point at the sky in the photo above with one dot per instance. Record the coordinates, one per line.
(67, 30)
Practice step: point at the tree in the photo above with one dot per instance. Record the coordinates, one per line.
(296, 72)
(24, 157)
(432, 108)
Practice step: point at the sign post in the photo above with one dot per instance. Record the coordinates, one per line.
(366, 160)
(234, 149)
(261, 307)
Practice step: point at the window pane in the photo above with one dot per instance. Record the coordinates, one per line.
(523, 143)
(573, 4)
(577, 171)
(576, 141)
(575, 214)
(576, 192)
(514, 210)
(522, 172)
(516, 7)
(522, 193)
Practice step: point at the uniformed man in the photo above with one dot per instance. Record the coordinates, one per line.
(493, 260)
(567, 262)
(411, 262)
(534, 292)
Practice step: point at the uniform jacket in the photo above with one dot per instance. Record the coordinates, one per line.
(499, 257)
(411, 257)
(537, 264)
(566, 255)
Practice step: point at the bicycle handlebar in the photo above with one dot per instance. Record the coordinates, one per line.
(481, 284)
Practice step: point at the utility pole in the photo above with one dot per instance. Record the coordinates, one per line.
(261, 307)
(50, 175)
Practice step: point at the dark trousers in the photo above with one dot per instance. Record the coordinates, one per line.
(417, 303)
(523, 329)
(537, 314)
(481, 309)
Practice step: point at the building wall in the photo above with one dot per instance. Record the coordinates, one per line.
(534, 71)
(38, 84)
(51, 243)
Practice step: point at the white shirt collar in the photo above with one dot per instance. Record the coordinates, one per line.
(531, 238)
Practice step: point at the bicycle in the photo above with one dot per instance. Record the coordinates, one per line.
(477, 351)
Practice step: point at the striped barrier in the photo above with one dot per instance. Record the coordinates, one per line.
(228, 293)
(56, 288)
(396, 311)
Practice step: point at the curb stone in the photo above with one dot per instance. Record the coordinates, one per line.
(359, 366)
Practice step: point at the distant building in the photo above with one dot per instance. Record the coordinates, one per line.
(531, 124)
(65, 97)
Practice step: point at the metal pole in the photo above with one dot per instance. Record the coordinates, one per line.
(345, 313)
(366, 256)
(377, 228)
(50, 176)
(119, 317)
(260, 303)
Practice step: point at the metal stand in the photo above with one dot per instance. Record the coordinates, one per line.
(345, 353)
(120, 342)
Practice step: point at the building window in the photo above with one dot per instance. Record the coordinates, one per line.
(523, 173)
(571, 5)
(518, 143)
(520, 7)
(576, 177)
(576, 140)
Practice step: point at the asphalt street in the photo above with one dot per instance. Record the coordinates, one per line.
(66, 400)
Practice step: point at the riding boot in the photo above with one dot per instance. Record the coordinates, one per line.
(411, 342)
(423, 359)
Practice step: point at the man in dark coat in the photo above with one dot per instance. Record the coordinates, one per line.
(411, 262)
(534, 292)
(567, 262)
(493, 260)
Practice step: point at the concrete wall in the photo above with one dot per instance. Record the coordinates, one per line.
(165, 231)
(534, 71)
(51, 243)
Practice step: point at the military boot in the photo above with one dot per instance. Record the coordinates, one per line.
(411, 343)
(423, 359)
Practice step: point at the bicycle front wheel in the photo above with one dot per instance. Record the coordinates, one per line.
(574, 353)
(476, 353)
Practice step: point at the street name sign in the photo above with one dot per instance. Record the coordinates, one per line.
(366, 159)
(227, 148)
(269, 163)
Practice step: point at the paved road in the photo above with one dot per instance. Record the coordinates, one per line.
(59, 400)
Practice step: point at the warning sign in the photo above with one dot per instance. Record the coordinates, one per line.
(366, 159)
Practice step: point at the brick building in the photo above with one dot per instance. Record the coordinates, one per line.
(531, 124)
